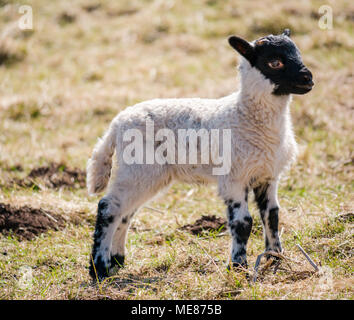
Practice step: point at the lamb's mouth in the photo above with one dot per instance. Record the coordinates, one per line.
(307, 86)
(301, 88)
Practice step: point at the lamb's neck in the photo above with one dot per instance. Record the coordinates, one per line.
(256, 101)
(264, 109)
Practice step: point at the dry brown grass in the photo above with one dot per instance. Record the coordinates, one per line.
(85, 61)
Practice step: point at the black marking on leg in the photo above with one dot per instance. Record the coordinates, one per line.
(261, 196)
(102, 222)
(231, 210)
(273, 220)
(236, 205)
(246, 194)
(240, 253)
(232, 204)
(248, 219)
(230, 215)
(117, 260)
(102, 204)
(242, 230)
(228, 202)
(240, 266)
(125, 220)
(263, 216)
(239, 258)
(262, 201)
(266, 243)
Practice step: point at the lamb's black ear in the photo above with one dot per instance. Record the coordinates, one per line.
(286, 32)
(243, 47)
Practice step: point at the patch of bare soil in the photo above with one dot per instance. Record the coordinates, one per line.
(205, 223)
(26, 222)
(55, 175)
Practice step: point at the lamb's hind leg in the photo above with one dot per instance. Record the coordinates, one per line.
(109, 214)
(119, 239)
(115, 211)
(118, 243)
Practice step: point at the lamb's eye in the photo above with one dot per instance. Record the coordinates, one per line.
(276, 64)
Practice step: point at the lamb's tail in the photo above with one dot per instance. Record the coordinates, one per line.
(100, 164)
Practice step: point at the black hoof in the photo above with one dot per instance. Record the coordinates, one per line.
(98, 270)
(117, 261)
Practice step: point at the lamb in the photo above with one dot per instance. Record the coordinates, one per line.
(262, 145)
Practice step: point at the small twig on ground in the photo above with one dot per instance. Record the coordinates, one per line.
(215, 236)
(178, 223)
(280, 255)
(154, 209)
(50, 217)
(283, 257)
(307, 257)
(267, 264)
(269, 253)
(258, 261)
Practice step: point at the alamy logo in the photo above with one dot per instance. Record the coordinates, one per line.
(26, 20)
(326, 20)
(166, 146)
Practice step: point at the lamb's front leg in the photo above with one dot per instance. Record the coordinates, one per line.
(267, 201)
(239, 222)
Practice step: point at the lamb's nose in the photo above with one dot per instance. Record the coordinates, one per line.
(306, 75)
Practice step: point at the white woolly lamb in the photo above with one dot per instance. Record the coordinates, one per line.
(261, 139)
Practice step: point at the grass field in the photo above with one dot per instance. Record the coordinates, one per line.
(83, 62)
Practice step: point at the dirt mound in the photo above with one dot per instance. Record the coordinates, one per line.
(55, 175)
(27, 222)
(206, 223)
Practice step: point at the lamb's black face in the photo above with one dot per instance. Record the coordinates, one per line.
(279, 60)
